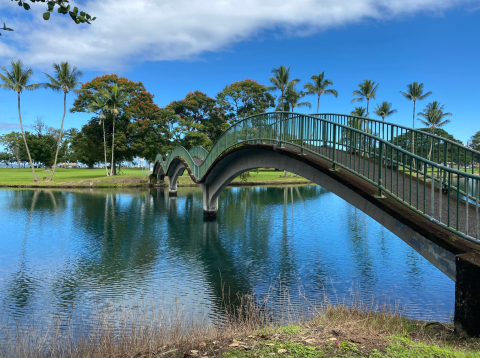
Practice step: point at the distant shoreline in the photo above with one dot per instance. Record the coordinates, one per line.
(131, 178)
(73, 186)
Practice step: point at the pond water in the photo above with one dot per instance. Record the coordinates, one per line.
(67, 251)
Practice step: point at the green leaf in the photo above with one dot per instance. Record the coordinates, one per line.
(75, 10)
(46, 15)
(26, 6)
(20, 3)
(94, 18)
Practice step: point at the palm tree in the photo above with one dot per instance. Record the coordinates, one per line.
(281, 81)
(99, 105)
(17, 80)
(366, 90)
(384, 110)
(65, 79)
(414, 93)
(116, 98)
(359, 123)
(434, 118)
(292, 97)
(318, 87)
(359, 112)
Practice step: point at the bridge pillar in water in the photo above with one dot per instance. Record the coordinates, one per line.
(160, 177)
(175, 173)
(210, 206)
(467, 294)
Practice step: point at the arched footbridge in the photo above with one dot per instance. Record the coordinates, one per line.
(422, 187)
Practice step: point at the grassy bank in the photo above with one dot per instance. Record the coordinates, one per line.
(335, 331)
(77, 178)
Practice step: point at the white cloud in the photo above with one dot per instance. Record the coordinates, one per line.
(127, 32)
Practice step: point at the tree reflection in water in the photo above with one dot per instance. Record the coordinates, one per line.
(69, 249)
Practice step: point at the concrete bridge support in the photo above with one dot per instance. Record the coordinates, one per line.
(210, 202)
(467, 294)
(174, 172)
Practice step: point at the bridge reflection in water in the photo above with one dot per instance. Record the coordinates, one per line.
(371, 164)
(119, 246)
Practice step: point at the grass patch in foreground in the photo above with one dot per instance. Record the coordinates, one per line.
(72, 177)
(246, 332)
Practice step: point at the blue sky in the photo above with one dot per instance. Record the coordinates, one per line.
(175, 47)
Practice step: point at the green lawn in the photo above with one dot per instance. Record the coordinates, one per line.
(130, 177)
(263, 175)
(64, 176)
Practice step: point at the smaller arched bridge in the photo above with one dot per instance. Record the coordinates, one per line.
(422, 187)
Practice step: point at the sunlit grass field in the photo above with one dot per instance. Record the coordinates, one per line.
(127, 177)
(64, 176)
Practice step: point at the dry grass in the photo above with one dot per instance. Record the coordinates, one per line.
(246, 325)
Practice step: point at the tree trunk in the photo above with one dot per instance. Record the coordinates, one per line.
(60, 135)
(105, 146)
(318, 103)
(91, 166)
(35, 178)
(431, 146)
(113, 168)
(112, 163)
(17, 156)
(413, 132)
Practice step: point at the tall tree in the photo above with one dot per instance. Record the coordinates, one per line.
(151, 136)
(86, 145)
(292, 98)
(243, 99)
(201, 120)
(6, 158)
(434, 118)
(116, 98)
(474, 141)
(17, 79)
(65, 78)
(319, 87)
(99, 105)
(140, 106)
(359, 111)
(281, 81)
(12, 143)
(384, 110)
(366, 90)
(415, 93)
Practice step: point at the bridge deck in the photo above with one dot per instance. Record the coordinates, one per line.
(411, 189)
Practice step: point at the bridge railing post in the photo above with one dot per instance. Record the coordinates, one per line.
(380, 161)
(334, 141)
(302, 119)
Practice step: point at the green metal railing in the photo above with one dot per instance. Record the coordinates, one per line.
(198, 152)
(376, 151)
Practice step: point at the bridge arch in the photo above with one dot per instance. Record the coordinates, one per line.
(358, 160)
(245, 159)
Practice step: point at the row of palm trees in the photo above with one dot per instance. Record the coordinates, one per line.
(65, 78)
(433, 115)
(319, 86)
(18, 78)
(112, 101)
